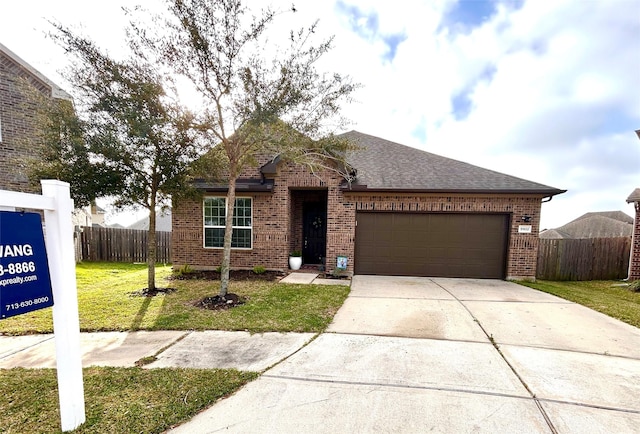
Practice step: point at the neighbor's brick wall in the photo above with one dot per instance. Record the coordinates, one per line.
(17, 115)
(634, 263)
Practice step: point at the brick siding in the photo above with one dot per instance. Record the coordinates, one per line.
(634, 263)
(277, 222)
(17, 123)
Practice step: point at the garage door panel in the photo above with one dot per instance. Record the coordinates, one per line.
(437, 244)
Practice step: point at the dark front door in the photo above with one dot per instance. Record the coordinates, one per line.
(314, 232)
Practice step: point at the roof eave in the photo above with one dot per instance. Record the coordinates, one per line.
(365, 189)
(56, 91)
(241, 186)
(635, 194)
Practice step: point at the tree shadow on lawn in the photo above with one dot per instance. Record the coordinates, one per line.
(142, 311)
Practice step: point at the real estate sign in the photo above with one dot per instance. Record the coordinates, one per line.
(25, 284)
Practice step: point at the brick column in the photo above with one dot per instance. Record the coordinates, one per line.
(634, 261)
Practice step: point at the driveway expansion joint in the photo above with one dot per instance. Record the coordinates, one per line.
(513, 369)
(585, 405)
(397, 386)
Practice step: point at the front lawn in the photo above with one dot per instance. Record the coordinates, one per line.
(135, 400)
(607, 297)
(107, 302)
(117, 400)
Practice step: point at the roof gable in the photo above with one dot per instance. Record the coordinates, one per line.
(56, 91)
(385, 165)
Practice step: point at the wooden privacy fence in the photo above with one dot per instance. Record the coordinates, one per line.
(122, 245)
(584, 259)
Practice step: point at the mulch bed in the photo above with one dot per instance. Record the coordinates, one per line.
(220, 303)
(333, 276)
(237, 275)
(230, 300)
(145, 292)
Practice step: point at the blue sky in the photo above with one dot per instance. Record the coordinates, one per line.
(543, 90)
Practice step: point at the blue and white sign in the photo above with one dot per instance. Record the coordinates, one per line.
(25, 284)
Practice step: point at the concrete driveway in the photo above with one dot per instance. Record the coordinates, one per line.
(409, 354)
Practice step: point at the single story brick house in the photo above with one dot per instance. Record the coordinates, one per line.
(408, 212)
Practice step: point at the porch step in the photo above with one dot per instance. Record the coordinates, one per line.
(300, 278)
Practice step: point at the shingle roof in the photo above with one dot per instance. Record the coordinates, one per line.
(635, 195)
(554, 234)
(385, 165)
(605, 224)
(616, 215)
(163, 222)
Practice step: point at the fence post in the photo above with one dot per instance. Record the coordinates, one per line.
(66, 323)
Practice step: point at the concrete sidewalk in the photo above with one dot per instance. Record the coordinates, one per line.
(447, 355)
(207, 349)
(308, 277)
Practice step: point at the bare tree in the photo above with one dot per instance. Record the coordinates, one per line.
(257, 97)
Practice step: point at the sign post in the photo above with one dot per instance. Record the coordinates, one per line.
(66, 322)
(58, 206)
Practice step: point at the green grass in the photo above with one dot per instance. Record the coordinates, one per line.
(604, 296)
(118, 400)
(106, 303)
(123, 400)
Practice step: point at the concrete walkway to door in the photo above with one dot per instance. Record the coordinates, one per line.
(408, 354)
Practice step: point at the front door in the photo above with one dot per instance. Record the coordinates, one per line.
(314, 232)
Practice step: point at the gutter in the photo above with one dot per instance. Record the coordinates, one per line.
(548, 193)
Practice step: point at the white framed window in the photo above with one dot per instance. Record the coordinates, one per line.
(214, 219)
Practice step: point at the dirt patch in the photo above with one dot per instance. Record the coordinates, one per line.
(220, 303)
(237, 275)
(146, 292)
(334, 277)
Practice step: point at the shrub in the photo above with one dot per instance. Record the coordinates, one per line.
(259, 269)
(184, 270)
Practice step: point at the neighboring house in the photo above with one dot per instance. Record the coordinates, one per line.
(605, 224)
(17, 119)
(634, 261)
(81, 217)
(97, 216)
(163, 222)
(408, 212)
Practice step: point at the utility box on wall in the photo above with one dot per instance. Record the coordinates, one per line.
(341, 263)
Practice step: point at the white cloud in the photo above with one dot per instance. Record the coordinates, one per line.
(553, 87)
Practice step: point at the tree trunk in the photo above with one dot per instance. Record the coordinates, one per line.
(228, 230)
(151, 248)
